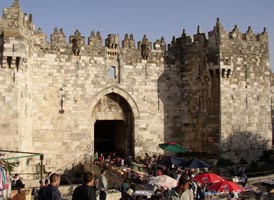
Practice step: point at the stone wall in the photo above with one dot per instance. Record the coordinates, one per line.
(245, 94)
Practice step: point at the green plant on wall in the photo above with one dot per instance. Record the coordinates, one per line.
(10, 165)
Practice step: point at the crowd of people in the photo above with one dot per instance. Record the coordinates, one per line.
(133, 179)
(186, 189)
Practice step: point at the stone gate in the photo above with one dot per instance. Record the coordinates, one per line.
(210, 92)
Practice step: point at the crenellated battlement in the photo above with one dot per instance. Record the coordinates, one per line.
(78, 46)
(18, 25)
(219, 35)
(249, 35)
(14, 19)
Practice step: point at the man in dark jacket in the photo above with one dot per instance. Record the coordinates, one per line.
(85, 191)
(51, 192)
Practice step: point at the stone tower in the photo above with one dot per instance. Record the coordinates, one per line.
(67, 98)
(16, 35)
(226, 92)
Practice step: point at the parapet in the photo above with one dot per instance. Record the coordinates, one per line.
(218, 34)
(14, 19)
(112, 42)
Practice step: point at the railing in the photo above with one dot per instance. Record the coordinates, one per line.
(263, 173)
(259, 179)
(84, 158)
(80, 159)
(69, 178)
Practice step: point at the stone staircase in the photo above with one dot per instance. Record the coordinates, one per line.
(72, 171)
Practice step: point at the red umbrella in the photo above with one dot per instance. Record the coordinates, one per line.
(208, 178)
(226, 186)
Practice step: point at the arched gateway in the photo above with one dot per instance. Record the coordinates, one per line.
(113, 116)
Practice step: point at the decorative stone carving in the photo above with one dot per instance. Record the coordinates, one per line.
(125, 42)
(145, 47)
(62, 97)
(99, 38)
(160, 44)
(128, 42)
(77, 41)
(131, 42)
(93, 40)
(163, 44)
(112, 42)
(15, 3)
(58, 39)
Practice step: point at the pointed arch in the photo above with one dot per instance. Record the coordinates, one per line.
(119, 91)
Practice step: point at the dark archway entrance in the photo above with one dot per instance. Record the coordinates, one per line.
(113, 127)
(110, 136)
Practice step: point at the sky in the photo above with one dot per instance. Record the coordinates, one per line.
(155, 18)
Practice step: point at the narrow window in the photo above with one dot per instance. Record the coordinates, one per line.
(1, 61)
(228, 72)
(211, 72)
(112, 72)
(9, 61)
(223, 73)
(17, 63)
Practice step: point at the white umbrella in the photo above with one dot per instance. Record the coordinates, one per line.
(164, 181)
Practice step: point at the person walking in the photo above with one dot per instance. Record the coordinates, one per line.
(85, 191)
(103, 185)
(124, 187)
(51, 192)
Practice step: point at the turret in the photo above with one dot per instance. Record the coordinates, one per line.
(215, 36)
(18, 30)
